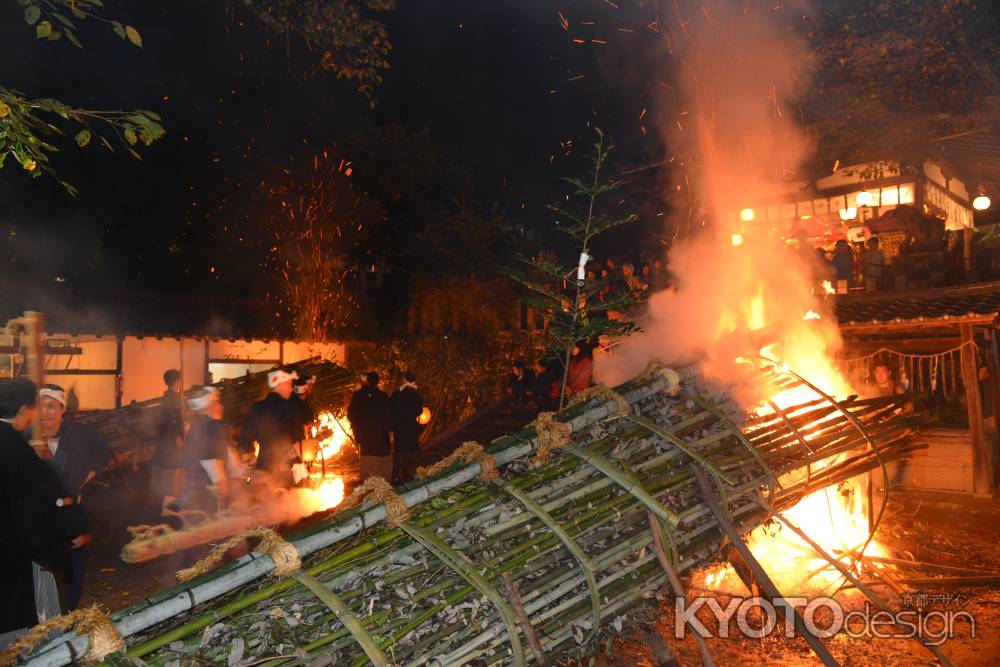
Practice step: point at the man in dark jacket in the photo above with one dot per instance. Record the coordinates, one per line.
(30, 529)
(206, 481)
(300, 405)
(405, 407)
(78, 456)
(368, 413)
(271, 425)
(166, 469)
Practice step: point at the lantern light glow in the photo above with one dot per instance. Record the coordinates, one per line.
(848, 213)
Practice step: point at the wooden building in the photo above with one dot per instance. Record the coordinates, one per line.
(941, 343)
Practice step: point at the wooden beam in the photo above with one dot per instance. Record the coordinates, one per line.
(993, 369)
(913, 325)
(981, 474)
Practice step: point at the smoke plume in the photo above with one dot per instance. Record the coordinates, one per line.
(737, 286)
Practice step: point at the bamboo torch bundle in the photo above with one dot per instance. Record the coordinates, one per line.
(571, 536)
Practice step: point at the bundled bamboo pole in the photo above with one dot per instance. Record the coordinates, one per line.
(414, 600)
(180, 599)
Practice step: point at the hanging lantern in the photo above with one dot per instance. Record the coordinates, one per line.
(425, 416)
(981, 202)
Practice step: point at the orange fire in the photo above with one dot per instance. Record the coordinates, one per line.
(327, 495)
(835, 518)
(336, 432)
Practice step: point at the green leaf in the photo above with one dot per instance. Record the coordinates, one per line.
(130, 136)
(134, 154)
(82, 138)
(77, 12)
(107, 144)
(54, 35)
(71, 36)
(133, 36)
(31, 14)
(43, 30)
(118, 28)
(62, 19)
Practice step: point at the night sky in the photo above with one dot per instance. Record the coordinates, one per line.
(501, 84)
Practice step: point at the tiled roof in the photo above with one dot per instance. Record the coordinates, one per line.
(943, 304)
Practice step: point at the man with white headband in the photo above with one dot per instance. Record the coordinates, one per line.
(206, 450)
(79, 454)
(31, 534)
(271, 425)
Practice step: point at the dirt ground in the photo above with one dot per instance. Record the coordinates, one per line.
(946, 529)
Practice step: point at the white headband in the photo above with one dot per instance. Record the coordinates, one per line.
(301, 388)
(407, 383)
(55, 394)
(274, 378)
(204, 399)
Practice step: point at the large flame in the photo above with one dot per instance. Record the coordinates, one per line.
(332, 433)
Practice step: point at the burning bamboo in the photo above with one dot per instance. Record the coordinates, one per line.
(412, 594)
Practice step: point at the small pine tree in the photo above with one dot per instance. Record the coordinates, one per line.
(571, 304)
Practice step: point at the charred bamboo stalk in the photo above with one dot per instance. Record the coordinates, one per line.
(414, 603)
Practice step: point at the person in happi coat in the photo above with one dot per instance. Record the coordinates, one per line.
(79, 454)
(32, 536)
(368, 413)
(405, 407)
(272, 426)
(166, 468)
(206, 453)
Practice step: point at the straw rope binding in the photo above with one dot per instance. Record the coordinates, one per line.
(551, 435)
(605, 393)
(469, 452)
(378, 490)
(286, 558)
(657, 369)
(102, 635)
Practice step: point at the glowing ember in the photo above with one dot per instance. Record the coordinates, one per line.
(828, 287)
(812, 315)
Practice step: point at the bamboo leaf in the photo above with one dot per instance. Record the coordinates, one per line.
(133, 36)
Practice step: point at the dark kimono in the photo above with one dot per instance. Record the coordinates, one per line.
(271, 423)
(30, 529)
